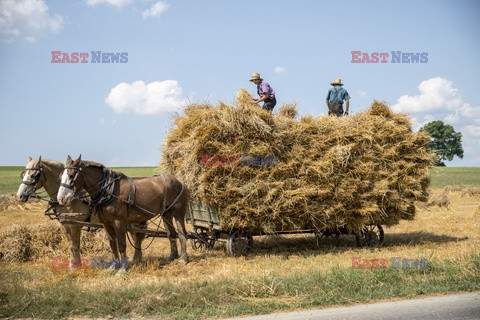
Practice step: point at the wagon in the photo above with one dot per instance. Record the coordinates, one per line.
(206, 232)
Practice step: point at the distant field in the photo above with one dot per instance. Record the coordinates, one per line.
(441, 176)
(457, 176)
(10, 176)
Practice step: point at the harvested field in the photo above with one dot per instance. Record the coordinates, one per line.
(284, 272)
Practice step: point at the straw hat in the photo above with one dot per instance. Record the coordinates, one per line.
(337, 82)
(256, 76)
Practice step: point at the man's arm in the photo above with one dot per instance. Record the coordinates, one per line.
(347, 106)
(326, 101)
(265, 96)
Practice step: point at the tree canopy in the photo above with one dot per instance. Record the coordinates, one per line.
(445, 142)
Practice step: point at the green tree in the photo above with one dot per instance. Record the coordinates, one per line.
(444, 141)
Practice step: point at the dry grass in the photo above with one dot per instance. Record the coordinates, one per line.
(464, 190)
(260, 279)
(440, 200)
(447, 234)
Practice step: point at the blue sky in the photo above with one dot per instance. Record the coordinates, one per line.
(204, 51)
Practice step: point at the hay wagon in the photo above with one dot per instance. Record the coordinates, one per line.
(239, 241)
(207, 231)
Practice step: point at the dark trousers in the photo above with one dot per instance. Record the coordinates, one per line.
(269, 103)
(335, 108)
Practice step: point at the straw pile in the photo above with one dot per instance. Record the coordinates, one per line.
(10, 202)
(331, 172)
(440, 200)
(464, 190)
(26, 242)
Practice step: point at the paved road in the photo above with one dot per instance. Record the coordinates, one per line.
(452, 307)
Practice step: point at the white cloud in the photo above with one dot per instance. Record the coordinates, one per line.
(440, 100)
(474, 131)
(155, 10)
(115, 3)
(435, 94)
(28, 19)
(361, 93)
(144, 99)
(102, 121)
(280, 69)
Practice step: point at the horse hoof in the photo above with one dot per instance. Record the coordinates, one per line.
(171, 258)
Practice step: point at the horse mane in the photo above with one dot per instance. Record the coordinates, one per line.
(52, 163)
(89, 163)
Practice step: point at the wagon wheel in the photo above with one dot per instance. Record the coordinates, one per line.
(239, 243)
(200, 240)
(370, 236)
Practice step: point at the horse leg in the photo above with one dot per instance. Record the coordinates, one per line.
(182, 231)
(74, 254)
(137, 240)
(75, 246)
(121, 230)
(171, 235)
(112, 239)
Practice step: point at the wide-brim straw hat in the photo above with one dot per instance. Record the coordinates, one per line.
(256, 76)
(337, 82)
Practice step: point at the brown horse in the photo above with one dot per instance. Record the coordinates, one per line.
(46, 173)
(121, 201)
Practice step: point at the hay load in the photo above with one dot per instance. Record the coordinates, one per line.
(276, 172)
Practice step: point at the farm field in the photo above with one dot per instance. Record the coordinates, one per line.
(284, 273)
(440, 176)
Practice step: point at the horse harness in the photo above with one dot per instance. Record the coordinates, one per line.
(131, 199)
(109, 189)
(36, 177)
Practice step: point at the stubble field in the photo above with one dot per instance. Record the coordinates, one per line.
(283, 273)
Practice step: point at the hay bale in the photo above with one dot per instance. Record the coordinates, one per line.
(440, 200)
(25, 242)
(331, 172)
(21, 242)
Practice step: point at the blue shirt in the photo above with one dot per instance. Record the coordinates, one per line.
(337, 94)
(263, 88)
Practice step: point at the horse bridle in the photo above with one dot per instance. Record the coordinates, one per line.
(78, 171)
(36, 177)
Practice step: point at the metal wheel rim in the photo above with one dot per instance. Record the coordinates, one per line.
(239, 243)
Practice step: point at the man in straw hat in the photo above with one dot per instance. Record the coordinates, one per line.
(266, 93)
(335, 97)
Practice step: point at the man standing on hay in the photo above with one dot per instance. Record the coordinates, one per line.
(266, 93)
(335, 97)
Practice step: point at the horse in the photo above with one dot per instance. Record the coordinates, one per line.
(121, 200)
(46, 173)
